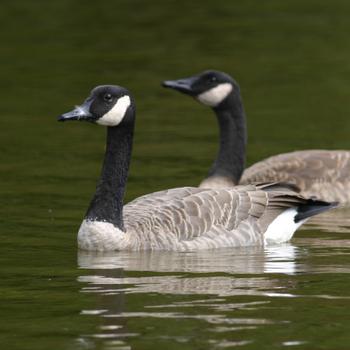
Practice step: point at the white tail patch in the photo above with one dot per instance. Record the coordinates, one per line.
(216, 95)
(283, 227)
(116, 114)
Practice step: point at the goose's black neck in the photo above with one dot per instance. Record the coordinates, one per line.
(230, 160)
(107, 203)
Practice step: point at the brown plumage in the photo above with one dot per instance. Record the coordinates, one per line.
(317, 173)
(192, 218)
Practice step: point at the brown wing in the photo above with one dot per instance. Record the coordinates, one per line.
(193, 218)
(320, 173)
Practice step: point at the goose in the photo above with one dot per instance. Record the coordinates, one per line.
(317, 173)
(179, 219)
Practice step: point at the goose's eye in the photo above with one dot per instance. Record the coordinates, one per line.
(108, 97)
(212, 78)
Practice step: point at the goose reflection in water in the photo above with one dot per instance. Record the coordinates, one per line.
(211, 283)
(249, 260)
(110, 282)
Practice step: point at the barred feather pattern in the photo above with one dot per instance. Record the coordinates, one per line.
(319, 173)
(185, 219)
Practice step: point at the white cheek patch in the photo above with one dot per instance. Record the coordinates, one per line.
(116, 114)
(216, 95)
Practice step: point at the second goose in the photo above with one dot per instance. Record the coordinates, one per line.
(320, 173)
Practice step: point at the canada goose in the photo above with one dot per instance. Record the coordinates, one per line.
(182, 218)
(320, 173)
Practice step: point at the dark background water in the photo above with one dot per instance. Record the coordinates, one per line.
(292, 60)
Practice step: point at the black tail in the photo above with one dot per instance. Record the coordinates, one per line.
(313, 207)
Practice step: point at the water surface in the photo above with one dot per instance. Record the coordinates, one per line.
(292, 59)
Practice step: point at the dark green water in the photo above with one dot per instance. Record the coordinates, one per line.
(292, 59)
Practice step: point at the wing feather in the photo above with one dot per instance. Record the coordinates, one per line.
(189, 218)
(319, 173)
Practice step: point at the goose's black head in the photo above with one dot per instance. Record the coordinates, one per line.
(210, 87)
(107, 105)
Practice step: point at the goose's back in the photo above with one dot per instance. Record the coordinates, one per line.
(320, 173)
(194, 218)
